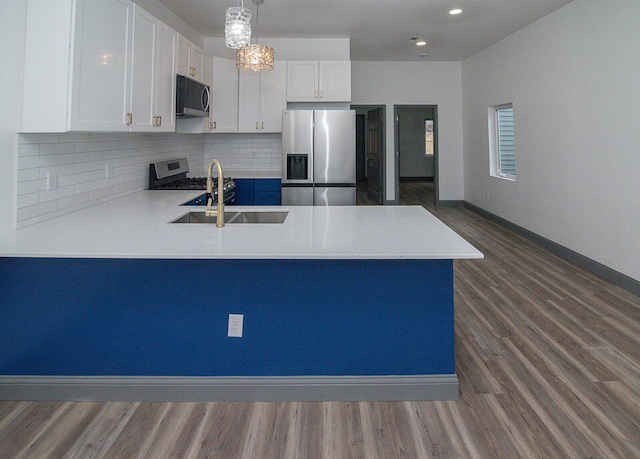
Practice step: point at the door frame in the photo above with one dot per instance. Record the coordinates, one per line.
(396, 146)
(383, 157)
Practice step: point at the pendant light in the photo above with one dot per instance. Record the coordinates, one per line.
(237, 28)
(255, 58)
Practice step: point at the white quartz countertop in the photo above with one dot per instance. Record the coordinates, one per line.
(138, 226)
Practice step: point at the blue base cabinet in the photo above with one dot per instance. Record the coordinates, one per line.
(107, 317)
(258, 192)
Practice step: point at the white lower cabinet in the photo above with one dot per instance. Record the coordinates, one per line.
(262, 98)
(90, 83)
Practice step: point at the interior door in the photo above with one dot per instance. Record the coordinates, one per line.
(374, 155)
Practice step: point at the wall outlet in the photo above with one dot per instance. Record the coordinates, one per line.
(235, 325)
(52, 181)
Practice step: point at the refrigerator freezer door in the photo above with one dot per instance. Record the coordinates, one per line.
(334, 196)
(334, 159)
(297, 146)
(297, 196)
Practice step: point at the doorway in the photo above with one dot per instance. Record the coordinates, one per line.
(417, 153)
(370, 154)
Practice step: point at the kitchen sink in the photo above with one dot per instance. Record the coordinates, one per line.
(261, 217)
(234, 217)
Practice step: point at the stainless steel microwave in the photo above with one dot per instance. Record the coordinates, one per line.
(192, 98)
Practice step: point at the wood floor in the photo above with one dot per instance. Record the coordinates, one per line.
(547, 355)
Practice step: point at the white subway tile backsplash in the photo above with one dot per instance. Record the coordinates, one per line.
(79, 160)
(28, 162)
(32, 186)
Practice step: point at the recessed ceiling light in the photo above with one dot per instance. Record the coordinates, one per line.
(419, 41)
(455, 11)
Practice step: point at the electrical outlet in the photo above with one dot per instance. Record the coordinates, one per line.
(235, 325)
(52, 181)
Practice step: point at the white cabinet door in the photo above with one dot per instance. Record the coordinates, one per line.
(224, 95)
(165, 79)
(152, 105)
(190, 60)
(319, 81)
(263, 97)
(302, 81)
(184, 56)
(197, 63)
(141, 116)
(273, 97)
(334, 81)
(101, 65)
(249, 102)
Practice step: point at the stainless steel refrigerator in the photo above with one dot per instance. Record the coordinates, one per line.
(319, 158)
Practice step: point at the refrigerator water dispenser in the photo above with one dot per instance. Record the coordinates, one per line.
(297, 167)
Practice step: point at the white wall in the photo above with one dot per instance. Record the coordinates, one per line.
(11, 24)
(417, 83)
(573, 78)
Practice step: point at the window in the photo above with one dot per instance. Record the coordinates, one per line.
(502, 142)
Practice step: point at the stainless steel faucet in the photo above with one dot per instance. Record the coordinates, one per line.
(219, 211)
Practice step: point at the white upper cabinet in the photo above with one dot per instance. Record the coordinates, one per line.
(165, 79)
(79, 85)
(101, 67)
(262, 98)
(140, 113)
(224, 96)
(153, 79)
(319, 81)
(93, 82)
(190, 60)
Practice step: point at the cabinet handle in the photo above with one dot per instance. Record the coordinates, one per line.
(262, 126)
(155, 121)
(257, 125)
(192, 71)
(214, 125)
(159, 121)
(315, 95)
(129, 120)
(321, 95)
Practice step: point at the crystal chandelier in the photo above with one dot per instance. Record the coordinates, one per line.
(255, 58)
(237, 28)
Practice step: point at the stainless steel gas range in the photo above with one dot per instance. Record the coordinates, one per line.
(172, 175)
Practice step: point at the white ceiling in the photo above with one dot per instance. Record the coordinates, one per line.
(379, 30)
